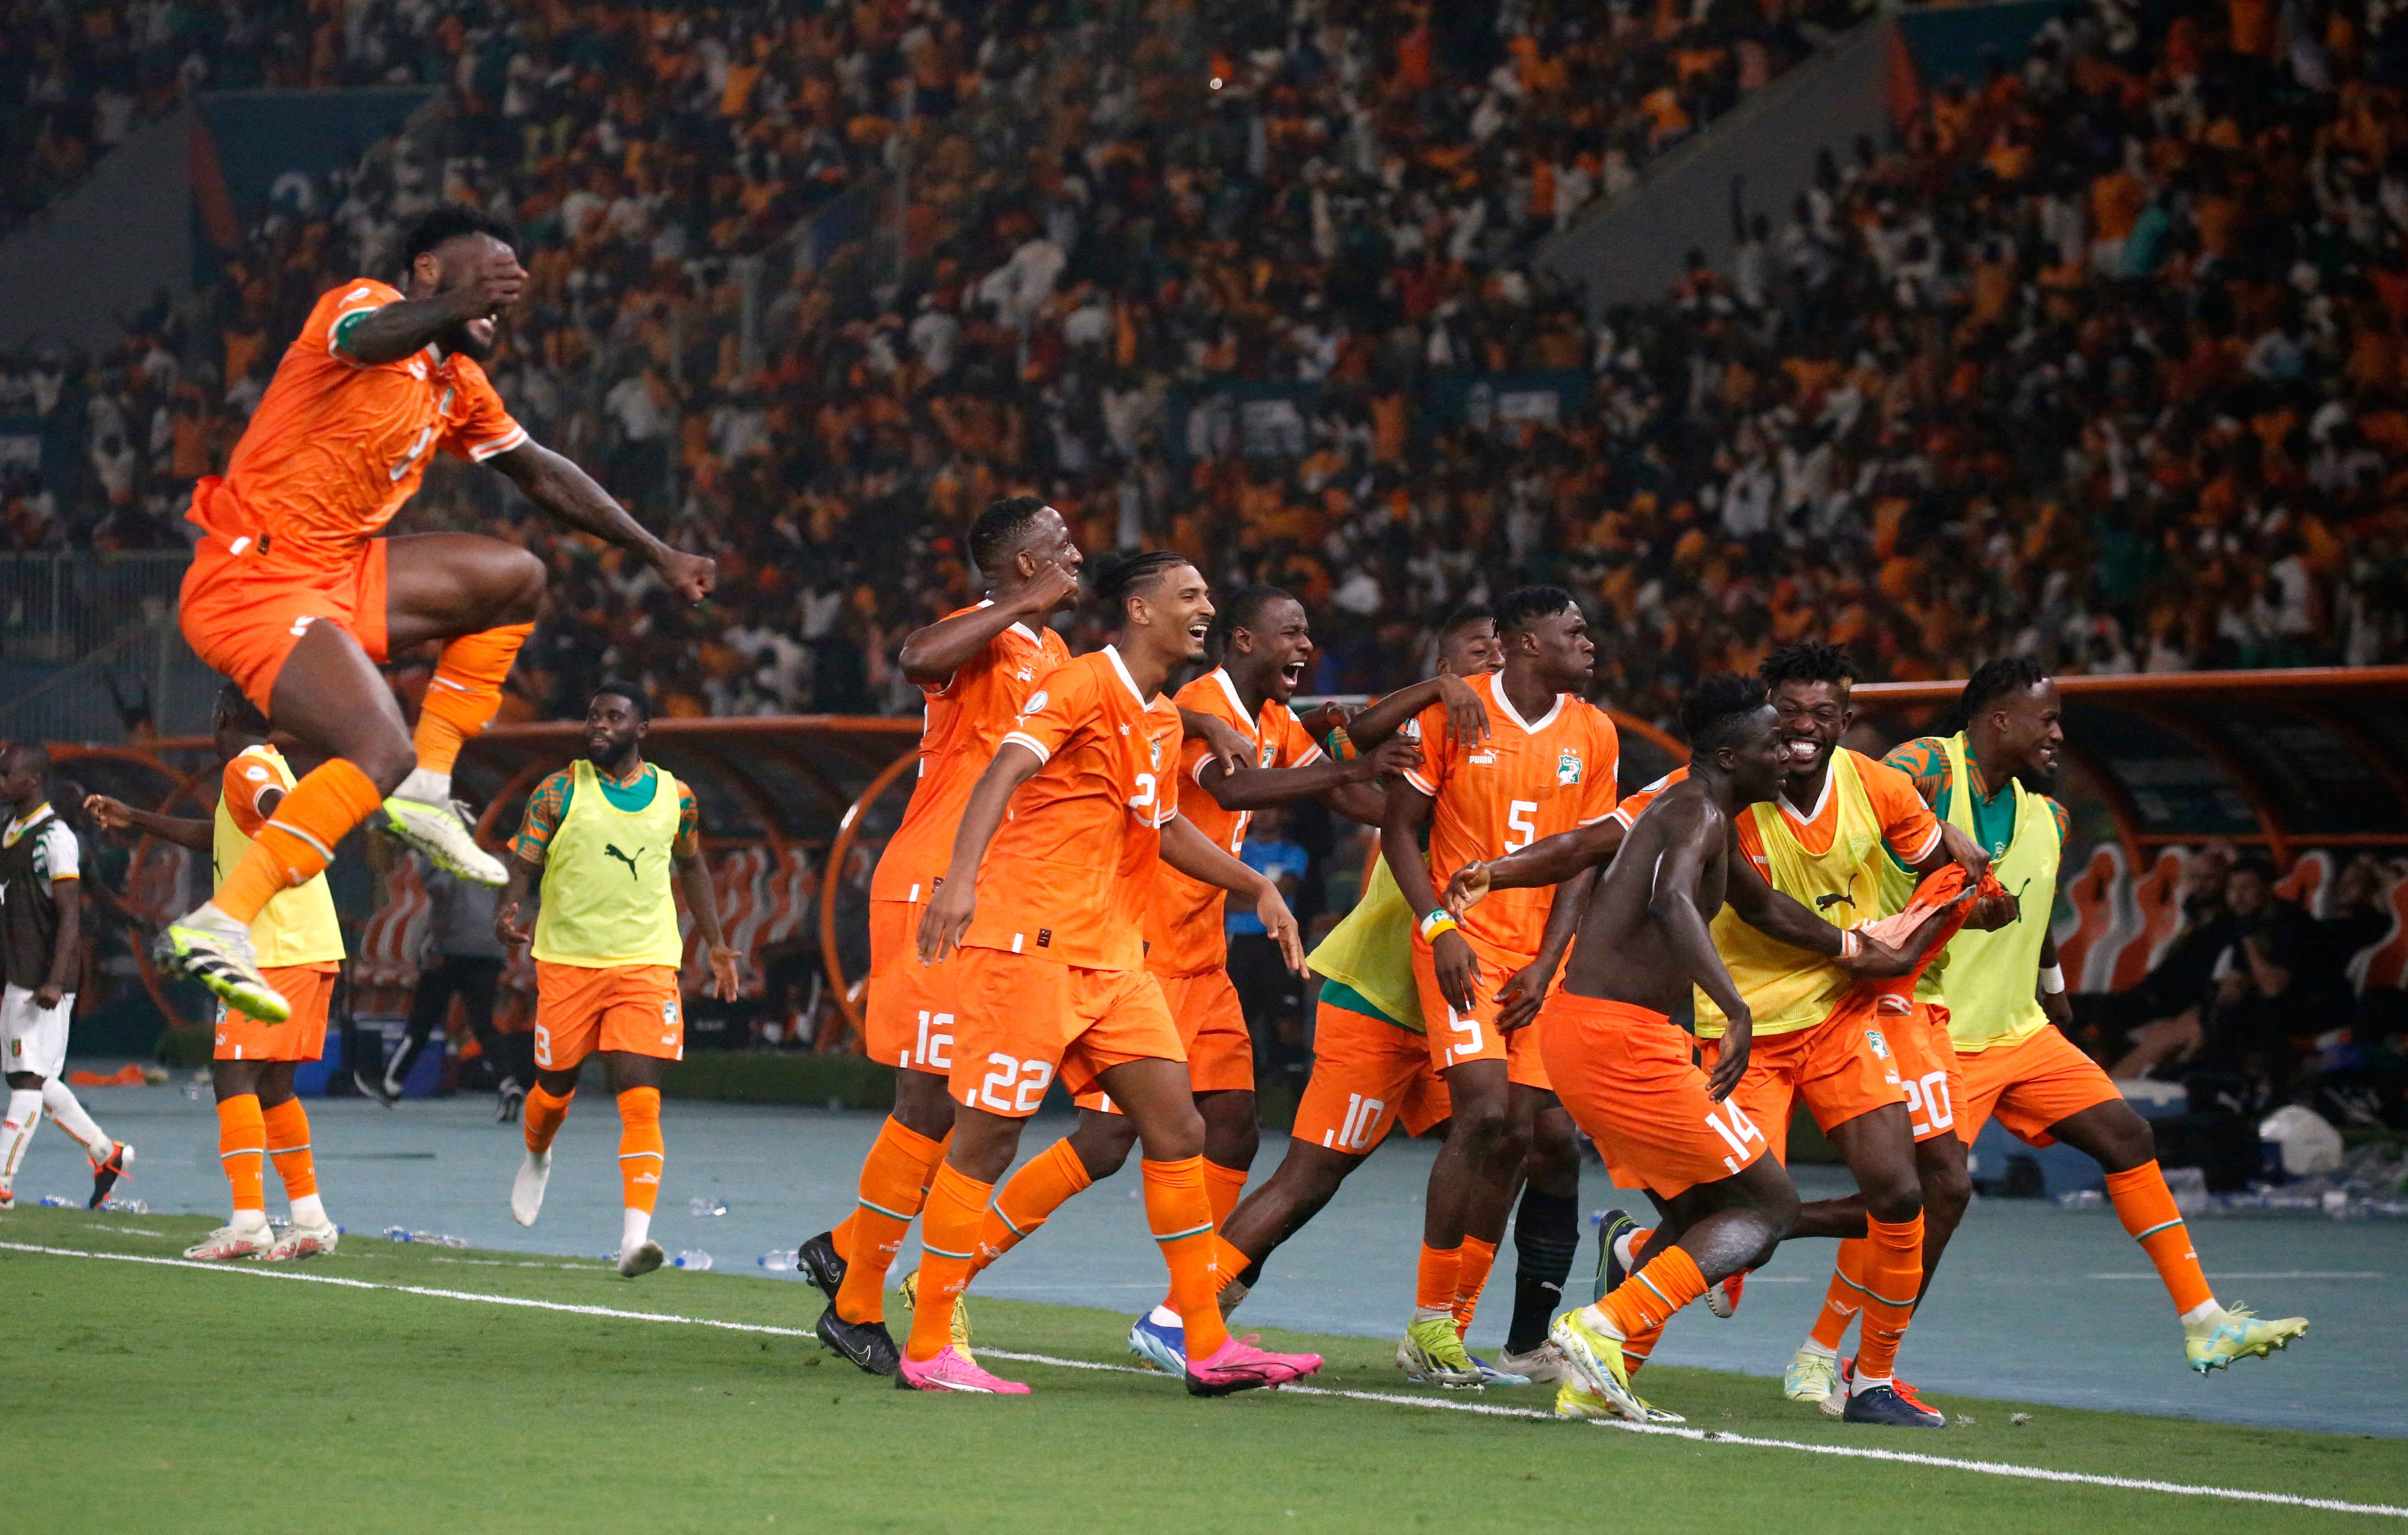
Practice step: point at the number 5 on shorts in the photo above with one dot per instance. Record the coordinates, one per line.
(1736, 1130)
(1467, 1047)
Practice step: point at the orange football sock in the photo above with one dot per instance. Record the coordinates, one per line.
(894, 1185)
(841, 1235)
(643, 1154)
(2146, 1208)
(1434, 1280)
(1224, 1187)
(1179, 1208)
(1228, 1260)
(1844, 1297)
(1027, 1201)
(949, 1234)
(1471, 1277)
(287, 1128)
(541, 1114)
(1638, 1346)
(242, 1151)
(1650, 1297)
(298, 841)
(1893, 1277)
(465, 693)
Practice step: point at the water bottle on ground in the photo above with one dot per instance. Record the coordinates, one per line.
(780, 1262)
(708, 1205)
(694, 1257)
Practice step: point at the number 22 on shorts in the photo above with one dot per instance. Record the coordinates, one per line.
(1024, 1081)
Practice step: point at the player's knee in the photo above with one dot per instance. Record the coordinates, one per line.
(2126, 1139)
(1894, 1198)
(1481, 1124)
(385, 760)
(1946, 1191)
(521, 584)
(1103, 1143)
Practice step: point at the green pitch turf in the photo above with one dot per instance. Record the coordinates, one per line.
(158, 1397)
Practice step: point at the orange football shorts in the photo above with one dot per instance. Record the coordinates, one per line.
(1368, 1074)
(2029, 1086)
(581, 1009)
(1213, 1027)
(1841, 1067)
(243, 613)
(310, 989)
(907, 1018)
(1020, 1021)
(1625, 1073)
(1454, 1038)
(1927, 1068)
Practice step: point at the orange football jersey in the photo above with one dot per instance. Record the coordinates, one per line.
(1185, 929)
(336, 446)
(1530, 779)
(967, 720)
(1065, 877)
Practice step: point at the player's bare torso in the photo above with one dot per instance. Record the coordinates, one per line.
(1623, 953)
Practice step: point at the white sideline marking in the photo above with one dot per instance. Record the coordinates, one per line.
(1985, 1468)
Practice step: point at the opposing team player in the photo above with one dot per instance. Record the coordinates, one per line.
(293, 597)
(1045, 918)
(2001, 998)
(300, 947)
(1265, 643)
(1625, 1070)
(41, 921)
(1547, 769)
(602, 837)
(976, 667)
(1371, 1070)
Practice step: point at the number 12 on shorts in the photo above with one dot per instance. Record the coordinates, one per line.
(1736, 1130)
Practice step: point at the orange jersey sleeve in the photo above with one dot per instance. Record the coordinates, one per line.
(967, 720)
(247, 781)
(338, 446)
(1531, 779)
(1061, 878)
(1907, 825)
(1628, 810)
(1184, 927)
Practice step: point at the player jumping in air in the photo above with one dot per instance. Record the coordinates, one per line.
(603, 835)
(1548, 769)
(1045, 918)
(1999, 1000)
(41, 923)
(1625, 1070)
(293, 597)
(299, 944)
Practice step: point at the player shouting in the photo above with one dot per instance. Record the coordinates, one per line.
(292, 596)
(603, 835)
(1050, 937)
(1625, 1070)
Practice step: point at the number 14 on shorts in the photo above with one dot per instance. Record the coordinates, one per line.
(1736, 1130)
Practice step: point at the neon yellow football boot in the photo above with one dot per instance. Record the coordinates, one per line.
(1432, 1354)
(2236, 1333)
(1597, 1357)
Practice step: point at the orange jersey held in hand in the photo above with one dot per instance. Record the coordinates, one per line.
(967, 721)
(1184, 928)
(1066, 875)
(1530, 779)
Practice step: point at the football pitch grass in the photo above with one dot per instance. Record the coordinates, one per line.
(399, 1387)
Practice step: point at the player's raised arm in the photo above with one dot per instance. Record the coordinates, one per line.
(1466, 716)
(117, 815)
(1259, 788)
(933, 655)
(1550, 860)
(391, 332)
(955, 902)
(568, 493)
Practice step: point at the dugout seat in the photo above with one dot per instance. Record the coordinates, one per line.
(2157, 903)
(2104, 921)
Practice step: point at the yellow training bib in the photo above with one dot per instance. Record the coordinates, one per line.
(297, 926)
(606, 878)
(1992, 982)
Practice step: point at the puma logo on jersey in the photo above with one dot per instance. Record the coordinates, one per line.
(1824, 903)
(611, 850)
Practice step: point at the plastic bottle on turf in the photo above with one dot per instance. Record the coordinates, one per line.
(708, 1205)
(694, 1257)
(780, 1262)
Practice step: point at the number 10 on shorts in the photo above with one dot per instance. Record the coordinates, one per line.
(1736, 1130)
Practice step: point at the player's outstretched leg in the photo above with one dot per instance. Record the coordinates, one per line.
(2213, 1335)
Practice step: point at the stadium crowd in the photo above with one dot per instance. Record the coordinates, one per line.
(2100, 362)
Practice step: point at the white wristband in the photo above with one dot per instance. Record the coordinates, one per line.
(2052, 980)
(1851, 943)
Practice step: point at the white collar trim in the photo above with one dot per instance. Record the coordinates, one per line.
(1497, 692)
(1120, 670)
(1237, 705)
(1822, 801)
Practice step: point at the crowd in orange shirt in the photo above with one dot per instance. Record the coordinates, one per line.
(2099, 363)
